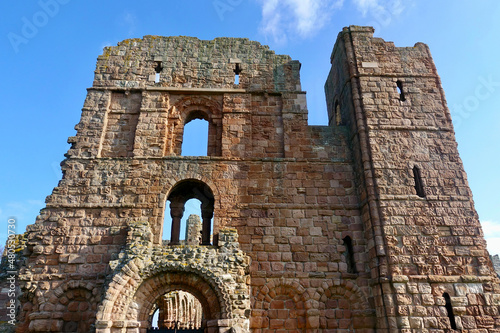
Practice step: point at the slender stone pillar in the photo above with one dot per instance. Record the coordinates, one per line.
(207, 212)
(176, 212)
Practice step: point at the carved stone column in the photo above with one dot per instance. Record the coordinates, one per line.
(176, 212)
(207, 212)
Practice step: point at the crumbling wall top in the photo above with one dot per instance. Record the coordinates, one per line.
(188, 62)
(379, 57)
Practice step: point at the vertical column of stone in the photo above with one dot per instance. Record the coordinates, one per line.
(267, 120)
(122, 119)
(176, 212)
(88, 139)
(236, 125)
(296, 140)
(150, 135)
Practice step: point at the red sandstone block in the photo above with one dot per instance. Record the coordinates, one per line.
(276, 323)
(291, 324)
(300, 256)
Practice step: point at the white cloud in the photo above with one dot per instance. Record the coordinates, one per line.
(380, 10)
(129, 21)
(491, 232)
(366, 5)
(304, 18)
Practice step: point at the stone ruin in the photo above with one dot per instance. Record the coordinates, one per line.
(364, 225)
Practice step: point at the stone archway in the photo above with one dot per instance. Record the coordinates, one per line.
(152, 289)
(197, 107)
(145, 273)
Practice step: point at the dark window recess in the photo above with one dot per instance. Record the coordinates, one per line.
(237, 71)
(158, 70)
(449, 311)
(400, 91)
(419, 185)
(349, 255)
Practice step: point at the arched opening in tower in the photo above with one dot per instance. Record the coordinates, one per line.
(191, 224)
(179, 310)
(189, 211)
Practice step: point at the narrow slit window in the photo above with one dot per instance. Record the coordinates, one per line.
(401, 92)
(158, 69)
(449, 311)
(349, 255)
(237, 71)
(419, 185)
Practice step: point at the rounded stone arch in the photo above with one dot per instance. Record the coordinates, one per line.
(198, 107)
(212, 108)
(172, 281)
(202, 184)
(343, 305)
(280, 304)
(132, 295)
(80, 299)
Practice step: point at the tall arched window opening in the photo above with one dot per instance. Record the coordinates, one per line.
(190, 226)
(195, 138)
(190, 207)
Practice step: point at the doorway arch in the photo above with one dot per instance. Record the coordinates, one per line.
(144, 273)
(151, 291)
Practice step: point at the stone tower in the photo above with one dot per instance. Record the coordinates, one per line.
(364, 225)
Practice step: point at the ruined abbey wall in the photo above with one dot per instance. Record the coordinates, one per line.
(363, 225)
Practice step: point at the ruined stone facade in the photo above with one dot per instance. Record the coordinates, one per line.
(363, 225)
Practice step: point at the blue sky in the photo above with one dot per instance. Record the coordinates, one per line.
(49, 48)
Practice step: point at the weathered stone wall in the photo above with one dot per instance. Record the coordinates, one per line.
(331, 234)
(428, 244)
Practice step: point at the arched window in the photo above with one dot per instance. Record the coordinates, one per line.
(190, 226)
(179, 202)
(195, 138)
(196, 123)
